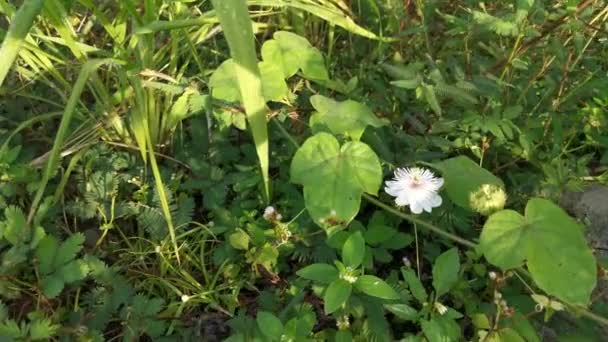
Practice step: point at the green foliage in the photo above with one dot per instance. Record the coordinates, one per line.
(350, 170)
(348, 117)
(551, 244)
(58, 265)
(132, 206)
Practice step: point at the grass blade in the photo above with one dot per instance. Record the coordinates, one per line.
(18, 30)
(235, 21)
(70, 108)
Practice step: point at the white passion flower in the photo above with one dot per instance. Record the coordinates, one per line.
(416, 187)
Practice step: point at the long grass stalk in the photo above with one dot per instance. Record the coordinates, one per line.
(236, 24)
(70, 108)
(20, 26)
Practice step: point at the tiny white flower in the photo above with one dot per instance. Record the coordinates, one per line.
(269, 212)
(157, 249)
(185, 298)
(416, 187)
(442, 309)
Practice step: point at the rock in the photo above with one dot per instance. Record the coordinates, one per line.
(591, 208)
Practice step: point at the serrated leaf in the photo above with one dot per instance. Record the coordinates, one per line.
(42, 329)
(445, 271)
(552, 244)
(428, 92)
(52, 285)
(347, 117)
(375, 287)
(69, 248)
(353, 250)
(334, 177)
(322, 273)
(14, 225)
(73, 271)
(269, 325)
(336, 294)
(45, 254)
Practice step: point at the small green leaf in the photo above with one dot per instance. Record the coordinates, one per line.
(269, 325)
(375, 287)
(42, 329)
(293, 52)
(15, 225)
(348, 117)
(52, 285)
(344, 336)
(441, 329)
(445, 271)
(431, 98)
(353, 250)
(403, 311)
(239, 240)
(414, 284)
(412, 83)
(379, 233)
(322, 273)
(336, 295)
(464, 177)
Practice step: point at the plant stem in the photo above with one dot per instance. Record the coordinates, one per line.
(413, 219)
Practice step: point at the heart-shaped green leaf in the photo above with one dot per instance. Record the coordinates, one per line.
(552, 244)
(347, 117)
(334, 177)
(292, 52)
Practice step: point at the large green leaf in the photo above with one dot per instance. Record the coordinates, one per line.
(445, 271)
(464, 177)
(552, 244)
(224, 86)
(347, 117)
(334, 177)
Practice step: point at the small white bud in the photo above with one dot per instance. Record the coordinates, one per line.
(157, 249)
(407, 262)
(185, 298)
(492, 275)
(442, 309)
(211, 224)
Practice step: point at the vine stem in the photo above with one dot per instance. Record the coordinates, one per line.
(420, 222)
(431, 227)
